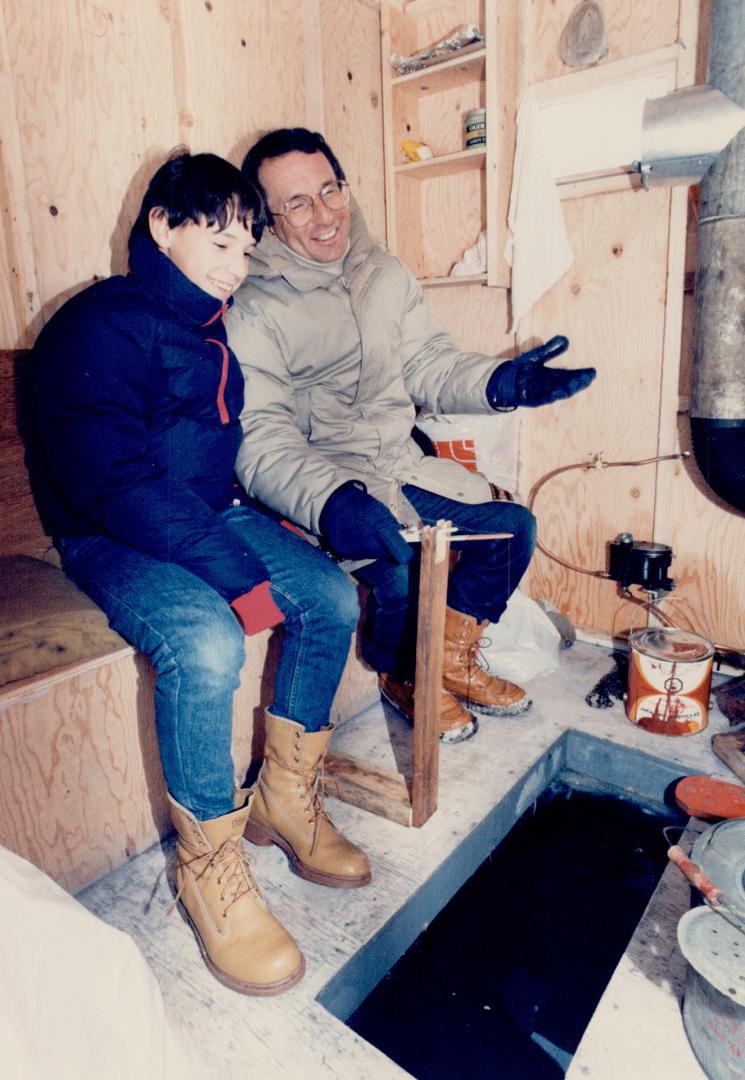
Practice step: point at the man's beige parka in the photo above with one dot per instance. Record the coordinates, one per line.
(336, 360)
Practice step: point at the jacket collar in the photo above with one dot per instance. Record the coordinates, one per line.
(163, 280)
(271, 258)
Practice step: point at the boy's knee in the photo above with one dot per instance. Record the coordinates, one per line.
(211, 649)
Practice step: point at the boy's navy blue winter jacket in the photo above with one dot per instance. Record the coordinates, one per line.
(136, 427)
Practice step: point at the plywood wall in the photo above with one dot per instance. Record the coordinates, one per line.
(95, 95)
(612, 306)
(352, 108)
(621, 304)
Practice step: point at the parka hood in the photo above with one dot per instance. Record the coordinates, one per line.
(271, 258)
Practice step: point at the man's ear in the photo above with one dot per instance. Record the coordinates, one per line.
(160, 230)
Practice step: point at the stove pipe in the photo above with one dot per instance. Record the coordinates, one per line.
(718, 384)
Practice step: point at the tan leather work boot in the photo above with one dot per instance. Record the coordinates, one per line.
(456, 723)
(463, 676)
(287, 808)
(242, 943)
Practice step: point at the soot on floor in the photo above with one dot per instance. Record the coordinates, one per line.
(503, 982)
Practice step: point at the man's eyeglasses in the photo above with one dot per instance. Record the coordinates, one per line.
(299, 211)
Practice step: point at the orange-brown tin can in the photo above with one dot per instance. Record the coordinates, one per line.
(669, 680)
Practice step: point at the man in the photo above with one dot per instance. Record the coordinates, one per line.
(138, 400)
(338, 351)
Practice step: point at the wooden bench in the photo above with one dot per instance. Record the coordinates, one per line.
(81, 788)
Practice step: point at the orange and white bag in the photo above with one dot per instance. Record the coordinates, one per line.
(485, 444)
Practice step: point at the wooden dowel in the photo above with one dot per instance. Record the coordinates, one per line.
(455, 538)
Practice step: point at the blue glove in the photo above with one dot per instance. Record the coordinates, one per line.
(525, 380)
(357, 526)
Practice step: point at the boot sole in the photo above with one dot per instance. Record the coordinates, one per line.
(240, 987)
(263, 837)
(516, 709)
(447, 738)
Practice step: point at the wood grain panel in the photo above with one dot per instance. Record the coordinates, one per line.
(611, 306)
(19, 298)
(434, 21)
(475, 316)
(630, 28)
(441, 116)
(92, 116)
(708, 538)
(22, 533)
(452, 215)
(79, 773)
(243, 72)
(353, 122)
(101, 93)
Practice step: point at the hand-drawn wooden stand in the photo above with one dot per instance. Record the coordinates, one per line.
(390, 794)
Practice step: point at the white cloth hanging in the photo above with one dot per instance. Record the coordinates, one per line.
(537, 248)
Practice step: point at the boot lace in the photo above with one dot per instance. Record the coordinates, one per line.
(312, 796)
(233, 864)
(475, 653)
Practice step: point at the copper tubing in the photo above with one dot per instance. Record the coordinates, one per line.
(587, 465)
(598, 464)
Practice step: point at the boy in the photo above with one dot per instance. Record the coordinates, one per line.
(137, 429)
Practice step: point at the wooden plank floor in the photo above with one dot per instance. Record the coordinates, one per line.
(350, 938)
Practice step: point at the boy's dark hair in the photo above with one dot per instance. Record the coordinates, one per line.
(284, 141)
(200, 187)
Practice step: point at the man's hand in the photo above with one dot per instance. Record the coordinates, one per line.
(525, 380)
(358, 526)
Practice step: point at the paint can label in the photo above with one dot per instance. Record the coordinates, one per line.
(475, 128)
(669, 681)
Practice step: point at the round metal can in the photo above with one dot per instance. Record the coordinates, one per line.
(669, 680)
(474, 123)
(714, 998)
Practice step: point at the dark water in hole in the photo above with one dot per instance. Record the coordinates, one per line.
(505, 979)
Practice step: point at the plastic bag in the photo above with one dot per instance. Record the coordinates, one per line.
(523, 644)
(485, 444)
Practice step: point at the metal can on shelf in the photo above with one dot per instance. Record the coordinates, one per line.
(474, 122)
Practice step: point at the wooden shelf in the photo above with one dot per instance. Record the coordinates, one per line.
(470, 188)
(444, 165)
(446, 75)
(460, 279)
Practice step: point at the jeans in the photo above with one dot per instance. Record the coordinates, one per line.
(195, 643)
(484, 578)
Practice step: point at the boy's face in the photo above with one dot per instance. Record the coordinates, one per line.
(325, 237)
(214, 259)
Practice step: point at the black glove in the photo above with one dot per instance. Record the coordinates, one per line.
(357, 526)
(525, 381)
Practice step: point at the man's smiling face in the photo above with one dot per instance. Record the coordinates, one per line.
(324, 238)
